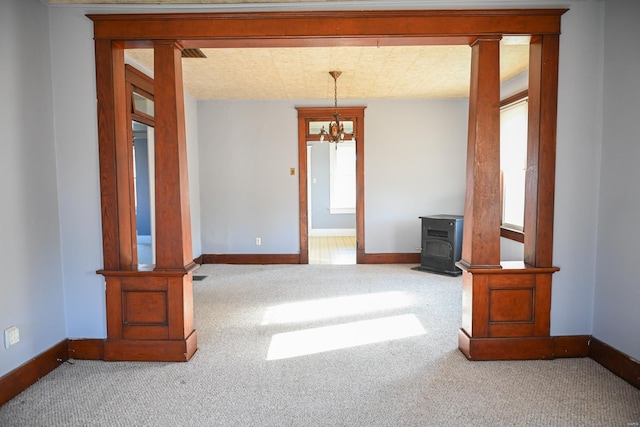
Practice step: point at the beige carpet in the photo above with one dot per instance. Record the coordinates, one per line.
(327, 345)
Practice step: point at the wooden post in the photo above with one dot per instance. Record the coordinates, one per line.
(481, 235)
(541, 150)
(173, 222)
(112, 135)
(506, 305)
(149, 309)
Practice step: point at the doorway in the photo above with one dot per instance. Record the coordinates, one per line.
(331, 231)
(331, 184)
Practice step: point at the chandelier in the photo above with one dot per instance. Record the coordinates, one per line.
(336, 129)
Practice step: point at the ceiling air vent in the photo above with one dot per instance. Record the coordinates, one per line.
(192, 53)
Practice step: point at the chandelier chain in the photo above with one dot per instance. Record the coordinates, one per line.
(335, 93)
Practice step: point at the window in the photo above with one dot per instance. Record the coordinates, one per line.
(342, 170)
(513, 161)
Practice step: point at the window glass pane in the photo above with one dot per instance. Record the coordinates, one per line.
(142, 104)
(314, 127)
(513, 163)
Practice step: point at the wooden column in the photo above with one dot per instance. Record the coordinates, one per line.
(541, 150)
(112, 136)
(506, 305)
(481, 235)
(173, 221)
(149, 308)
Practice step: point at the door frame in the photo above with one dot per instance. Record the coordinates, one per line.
(326, 113)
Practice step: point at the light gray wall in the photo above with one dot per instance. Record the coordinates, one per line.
(191, 127)
(414, 168)
(617, 286)
(578, 169)
(246, 150)
(78, 175)
(78, 172)
(510, 250)
(31, 293)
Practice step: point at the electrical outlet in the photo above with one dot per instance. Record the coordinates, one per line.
(11, 336)
(258, 241)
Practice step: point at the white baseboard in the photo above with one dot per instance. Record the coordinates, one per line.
(323, 232)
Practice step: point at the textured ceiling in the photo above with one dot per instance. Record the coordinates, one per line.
(367, 72)
(303, 73)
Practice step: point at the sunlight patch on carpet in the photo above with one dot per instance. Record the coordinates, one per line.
(328, 308)
(318, 340)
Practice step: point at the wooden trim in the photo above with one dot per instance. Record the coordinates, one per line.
(109, 83)
(382, 258)
(140, 80)
(250, 259)
(571, 346)
(140, 83)
(360, 206)
(303, 197)
(511, 234)
(126, 153)
(323, 28)
(86, 349)
(509, 267)
(326, 113)
(151, 350)
(621, 364)
(391, 258)
(149, 270)
(18, 380)
(514, 98)
(356, 114)
(527, 348)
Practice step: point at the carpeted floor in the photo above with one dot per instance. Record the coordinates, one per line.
(321, 345)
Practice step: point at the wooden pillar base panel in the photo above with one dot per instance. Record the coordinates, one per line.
(506, 313)
(149, 315)
(525, 348)
(151, 350)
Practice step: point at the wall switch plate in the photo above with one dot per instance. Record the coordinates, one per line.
(11, 336)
